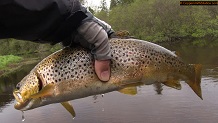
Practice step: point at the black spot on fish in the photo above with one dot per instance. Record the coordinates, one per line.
(148, 62)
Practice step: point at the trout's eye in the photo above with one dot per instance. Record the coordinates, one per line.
(18, 86)
(39, 83)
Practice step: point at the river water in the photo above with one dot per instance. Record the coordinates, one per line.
(152, 103)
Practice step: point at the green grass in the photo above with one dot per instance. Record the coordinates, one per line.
(8, 59)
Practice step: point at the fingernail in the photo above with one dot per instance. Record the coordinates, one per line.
(105, 76)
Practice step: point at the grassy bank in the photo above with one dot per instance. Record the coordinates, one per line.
(8, 59)
(11, 64)
(19, 47)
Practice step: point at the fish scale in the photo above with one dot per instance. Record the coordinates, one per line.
(63, 68)
(69, 73)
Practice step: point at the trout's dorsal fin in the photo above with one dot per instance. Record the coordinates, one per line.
(173, 83)
(69, 108)
(46, 91)
(177, 53)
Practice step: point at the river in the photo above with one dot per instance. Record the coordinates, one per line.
(152, 103)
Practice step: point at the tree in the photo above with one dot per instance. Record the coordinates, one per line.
(157, 20)
(82, 1)
(114, 3)
(104, 11)
(104, 6)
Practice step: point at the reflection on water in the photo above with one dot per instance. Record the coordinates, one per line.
(152, 103)
(23, 118)
(193, 54)
(158, 88)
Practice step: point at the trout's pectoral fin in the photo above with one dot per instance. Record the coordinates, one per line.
(46, 91)
(69, 108)
(173, 84)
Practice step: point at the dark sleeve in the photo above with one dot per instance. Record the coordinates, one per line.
(39, 20)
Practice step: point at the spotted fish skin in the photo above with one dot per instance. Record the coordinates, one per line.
(71, 73)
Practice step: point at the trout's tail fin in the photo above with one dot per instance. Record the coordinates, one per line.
(195, 80)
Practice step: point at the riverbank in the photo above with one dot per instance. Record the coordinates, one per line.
(7, 59)
(14, 67)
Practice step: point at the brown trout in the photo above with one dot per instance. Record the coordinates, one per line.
(69, 73)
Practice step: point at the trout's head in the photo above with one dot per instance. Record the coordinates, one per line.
(29, 85)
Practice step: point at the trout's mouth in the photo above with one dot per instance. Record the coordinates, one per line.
(21, 104)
